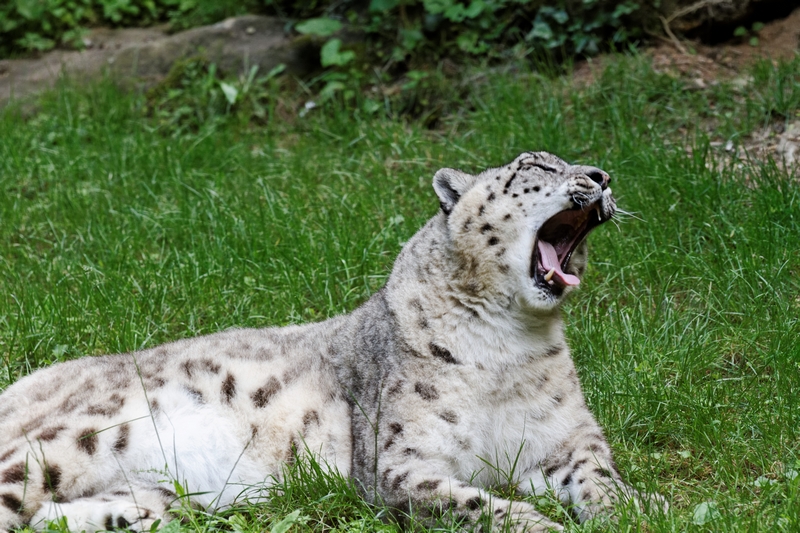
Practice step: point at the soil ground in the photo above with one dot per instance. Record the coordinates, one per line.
(701, 66)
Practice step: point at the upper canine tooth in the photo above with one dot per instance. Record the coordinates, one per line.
(549, 275)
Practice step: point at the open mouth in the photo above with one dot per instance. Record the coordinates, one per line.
(556, 241)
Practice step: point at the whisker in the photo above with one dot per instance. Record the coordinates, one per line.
(629, 214)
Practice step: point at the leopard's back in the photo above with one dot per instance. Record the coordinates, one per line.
(220, 414)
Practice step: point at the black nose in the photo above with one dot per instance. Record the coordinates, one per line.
(599, 177)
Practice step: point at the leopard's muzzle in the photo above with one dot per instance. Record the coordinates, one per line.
(560, 236)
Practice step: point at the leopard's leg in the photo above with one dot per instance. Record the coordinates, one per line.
(131, 507)
(584, 476)
(11, 512)
(425, 490)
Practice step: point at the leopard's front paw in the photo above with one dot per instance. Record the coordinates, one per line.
(94, 514)
(651, 500)
(603, 501)
(521, 517)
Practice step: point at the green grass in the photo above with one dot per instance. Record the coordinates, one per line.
(116, 234)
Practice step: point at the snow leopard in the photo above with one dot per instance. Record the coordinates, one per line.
(452, 379)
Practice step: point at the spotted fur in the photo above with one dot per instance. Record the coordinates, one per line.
(458, 362)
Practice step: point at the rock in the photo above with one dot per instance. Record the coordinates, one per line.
(788, 148)
(143, 56)
(234, 45)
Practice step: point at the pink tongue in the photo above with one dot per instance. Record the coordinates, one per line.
(550, 260)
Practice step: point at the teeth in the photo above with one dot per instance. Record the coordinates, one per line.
(549, 275)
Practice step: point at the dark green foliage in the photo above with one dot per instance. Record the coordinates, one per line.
(189, 97)
(426, 97)
(434, 28)
(39, 25)
(194, 96)
(397, 31)
(410, 34)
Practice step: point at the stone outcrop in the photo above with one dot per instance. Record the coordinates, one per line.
(143, 56)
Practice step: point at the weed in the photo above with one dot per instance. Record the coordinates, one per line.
(195, 97)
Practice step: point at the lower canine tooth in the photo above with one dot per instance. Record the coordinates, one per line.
(549, 275)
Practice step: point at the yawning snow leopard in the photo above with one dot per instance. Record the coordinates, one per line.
(459, 362)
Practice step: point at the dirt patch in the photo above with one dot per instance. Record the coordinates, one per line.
(779, 142)
(777, 40)
(704, 65)
(701, 66)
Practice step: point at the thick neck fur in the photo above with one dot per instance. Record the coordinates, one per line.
(441, 298)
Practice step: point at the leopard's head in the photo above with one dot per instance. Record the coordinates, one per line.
(519, 230)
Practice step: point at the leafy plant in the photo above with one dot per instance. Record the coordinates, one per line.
(399, 30)
(194, 97)
(431, 28)
(39, 25)
(332, 55)
(322, 27)
(751, 35)
(394, 46)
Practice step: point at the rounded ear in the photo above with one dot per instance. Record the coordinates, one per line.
(450, 185)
